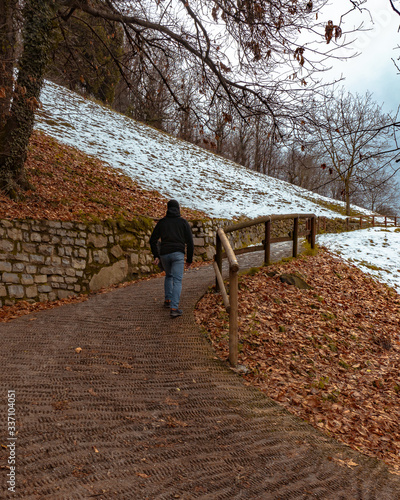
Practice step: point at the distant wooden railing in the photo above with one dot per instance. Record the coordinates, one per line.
(373, 220)
(361, 222)
(222, 243)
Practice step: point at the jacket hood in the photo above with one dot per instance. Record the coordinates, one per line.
(173, 209)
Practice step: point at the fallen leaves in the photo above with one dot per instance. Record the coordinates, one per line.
(142, 475)
(21, 308)
(174, 422)
(68, 185)
(345, 463)
(330, 354)
(60, 405)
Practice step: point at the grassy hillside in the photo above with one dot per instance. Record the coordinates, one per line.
(70, 185)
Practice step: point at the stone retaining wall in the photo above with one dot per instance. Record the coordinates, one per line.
(49, 260)
(337, 225)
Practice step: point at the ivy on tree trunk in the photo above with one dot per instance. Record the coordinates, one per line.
(8, 37)
(18, 125)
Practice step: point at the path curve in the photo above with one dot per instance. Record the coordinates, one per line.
(146, 411)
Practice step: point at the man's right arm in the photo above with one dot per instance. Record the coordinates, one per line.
(155, 235)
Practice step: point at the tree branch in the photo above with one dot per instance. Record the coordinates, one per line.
(394, 8)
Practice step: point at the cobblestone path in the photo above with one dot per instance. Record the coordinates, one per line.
(145, 411)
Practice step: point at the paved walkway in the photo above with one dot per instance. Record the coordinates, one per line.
(145, 411)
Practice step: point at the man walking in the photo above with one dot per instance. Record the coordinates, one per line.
(175, 233)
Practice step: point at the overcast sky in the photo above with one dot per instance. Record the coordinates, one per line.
(373, 69)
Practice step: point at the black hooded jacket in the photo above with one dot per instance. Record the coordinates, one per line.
(174, 232)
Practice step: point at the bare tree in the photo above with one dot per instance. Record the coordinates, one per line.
(301, 168)
(83, 55)
(183, 121)
(254, 144)
(378, 190)
(266, 147)
(351, 132)
(146, 94)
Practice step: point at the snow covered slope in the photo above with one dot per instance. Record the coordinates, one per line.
(376, 251)
(177, 169)
(202, 180)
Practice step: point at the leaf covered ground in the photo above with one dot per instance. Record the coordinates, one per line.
(330, 355)
(69, 185)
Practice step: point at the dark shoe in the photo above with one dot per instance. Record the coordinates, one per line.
(167, 304)
(175, 313)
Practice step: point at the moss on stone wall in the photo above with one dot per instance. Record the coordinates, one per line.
(137, 225)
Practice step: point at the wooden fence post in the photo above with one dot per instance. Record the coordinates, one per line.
(233, 317)
(295, 235)
(218, 258)
(313, 232)
(267, 243)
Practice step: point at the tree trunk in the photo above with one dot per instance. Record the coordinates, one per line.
(15, 135)
(257, 161)
(347, 196)
(7, 56)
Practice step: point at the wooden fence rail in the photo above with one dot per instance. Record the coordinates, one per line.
(222, 243)
(361, 222)
(373, 220)
(231, 302)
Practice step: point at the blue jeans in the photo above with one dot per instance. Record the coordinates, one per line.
(173, 264)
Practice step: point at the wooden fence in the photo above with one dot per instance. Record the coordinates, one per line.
(372, 221)
(365, 221)
(222, 243)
